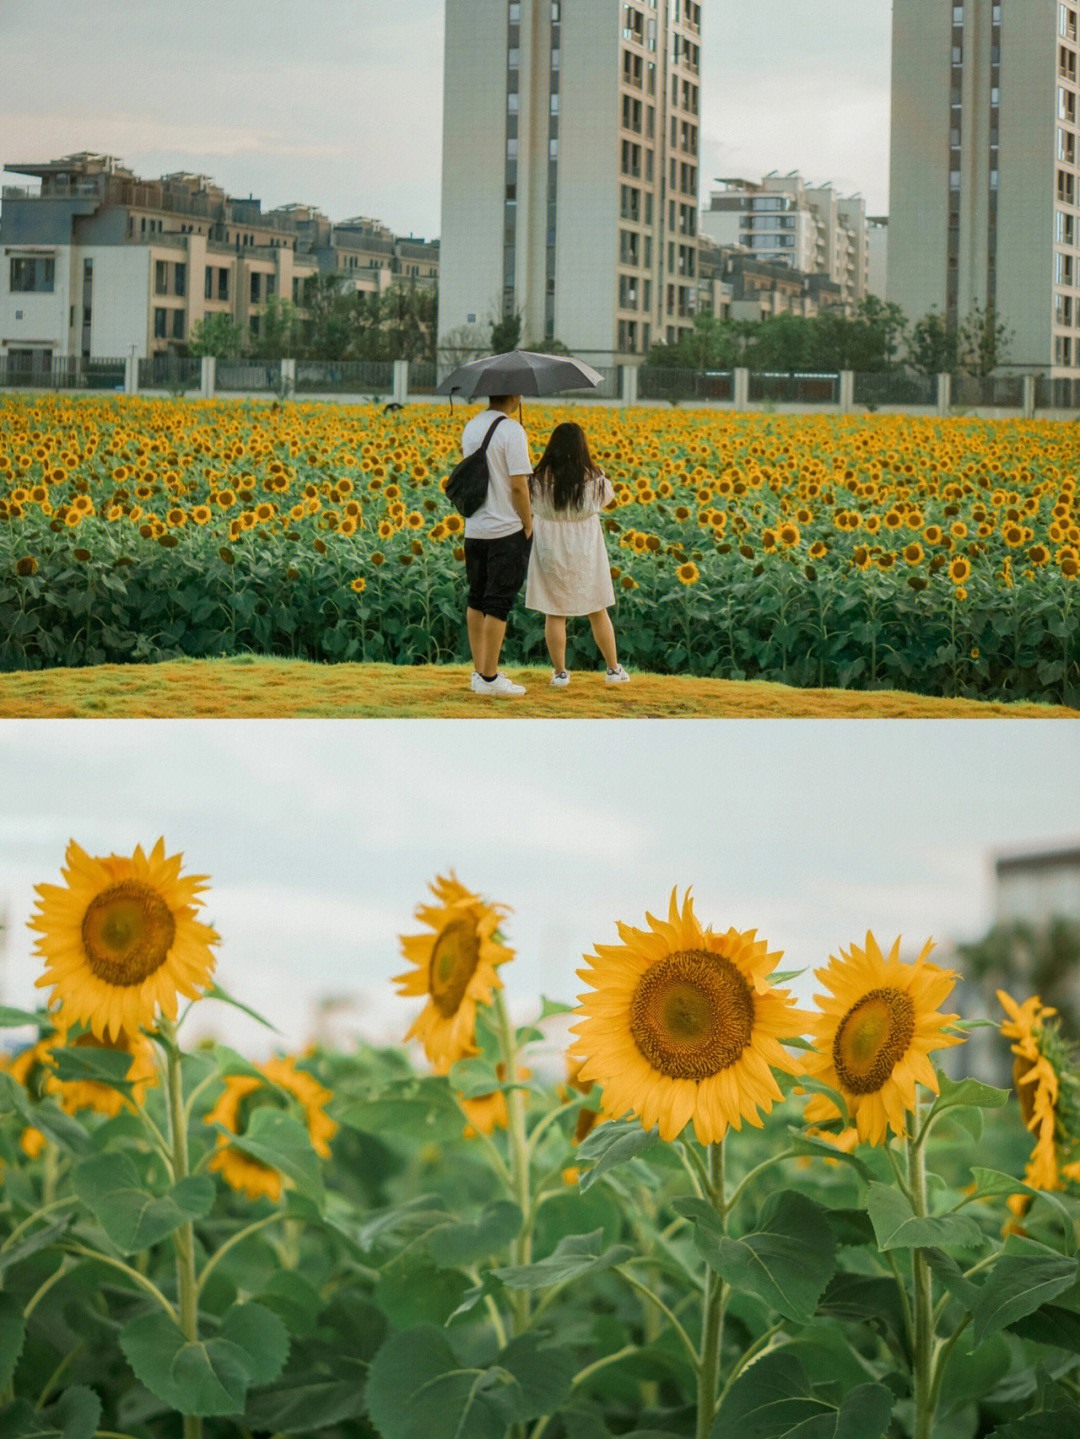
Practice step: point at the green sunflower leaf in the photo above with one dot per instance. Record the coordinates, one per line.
(610, 1145)
(1019, 1284)
(470, 1240)
(282, 1141)
(15, 1018)
(417, 1389)
(573, 1257)
(215, 991)
(955, 1092)
(544, 1372)
(553, 1006)
(134, 1218)
(96, 1065)
(897, 1226)
(774, 1399)
(787, 1263)
(991, 1182)
(12, 1334)
(64, 1131)
(75, 1415)
(213, 1375)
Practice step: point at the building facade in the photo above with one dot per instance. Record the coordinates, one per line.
(984, 177)
(570, 170)
(780, 220)
(99, 263)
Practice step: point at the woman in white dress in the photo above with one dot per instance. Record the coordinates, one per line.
(568, 567)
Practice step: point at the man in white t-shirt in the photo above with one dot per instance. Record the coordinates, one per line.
(498, 537)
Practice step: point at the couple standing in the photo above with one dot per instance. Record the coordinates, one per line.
(544, 525)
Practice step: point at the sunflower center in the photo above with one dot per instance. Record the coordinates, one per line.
(872, 1037)
(454, 958)
(692, 1014)
(127, 932)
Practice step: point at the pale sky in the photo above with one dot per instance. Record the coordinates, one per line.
(320, 837)
(339, 104)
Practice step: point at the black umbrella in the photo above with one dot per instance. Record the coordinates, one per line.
(519, 372)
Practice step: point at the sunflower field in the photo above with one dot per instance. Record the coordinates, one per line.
(933, 555)
(723, 1216)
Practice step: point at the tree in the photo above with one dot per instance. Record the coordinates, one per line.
(325, 328)
(218, 335)
(933, 346)
(275, 338)
(984, 341)
(1040, 960)
(506, 333)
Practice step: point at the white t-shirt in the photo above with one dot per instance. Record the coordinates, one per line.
(507, 454)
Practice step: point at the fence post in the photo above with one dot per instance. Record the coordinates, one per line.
(208, 377)
(628, 390)
(401, 381)
(1028, 401)
(741, 389)
(944, 394)
(847, 391)
(131, 373)
(288, 376)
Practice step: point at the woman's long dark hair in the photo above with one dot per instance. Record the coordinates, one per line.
(565, 468)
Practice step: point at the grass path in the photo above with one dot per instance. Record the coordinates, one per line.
(258, 688)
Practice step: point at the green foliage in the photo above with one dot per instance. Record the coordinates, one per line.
(775, 1399)
(132, 1216)
(218, 335)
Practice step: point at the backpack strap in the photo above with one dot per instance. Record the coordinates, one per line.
(493, 427)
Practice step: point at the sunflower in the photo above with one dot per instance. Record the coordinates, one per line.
(1045, 1078)
(682, 1024)
(488, 1112)
(455, 968)
(873, 1033)
(76, 1094)
(244, 1092)
(121, 941)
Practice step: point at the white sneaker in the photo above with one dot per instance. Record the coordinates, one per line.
(616, 676)
(560, 679)
(500, 685)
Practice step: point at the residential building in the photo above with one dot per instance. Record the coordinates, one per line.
(781, 220)
(984, 177)
(877, 254)
(99, 263)
(570, 170)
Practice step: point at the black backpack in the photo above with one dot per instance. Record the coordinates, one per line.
(466, 489)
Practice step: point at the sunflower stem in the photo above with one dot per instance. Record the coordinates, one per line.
(521, 1245)
(187, 1286)
(922, 1307)
(712, 1332)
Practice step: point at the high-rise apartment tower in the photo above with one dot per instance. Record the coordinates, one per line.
(984, 179)
(570, 169)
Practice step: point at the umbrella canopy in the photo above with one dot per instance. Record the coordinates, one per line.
(520, 372)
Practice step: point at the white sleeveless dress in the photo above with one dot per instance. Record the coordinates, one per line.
(569, 572)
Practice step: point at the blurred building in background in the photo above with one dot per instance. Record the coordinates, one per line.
(1032, 947)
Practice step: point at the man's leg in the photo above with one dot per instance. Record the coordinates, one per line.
(555, 635)
(491, 634)
(475, 621)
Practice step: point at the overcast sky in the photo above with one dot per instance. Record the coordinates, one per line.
(339, 104)
(320, 837)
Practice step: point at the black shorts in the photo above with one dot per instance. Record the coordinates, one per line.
(496, 570)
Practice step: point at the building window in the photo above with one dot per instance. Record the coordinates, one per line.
(180, 279)
(33, 274)
(161, 278)
(513, 58)
(254, 292)
(208, 283)
(223, 284)
(1067, 22)
(514, 12)
(160, 317)
(178, 324)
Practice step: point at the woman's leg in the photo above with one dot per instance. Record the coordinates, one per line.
(604, 636)
(555, 635)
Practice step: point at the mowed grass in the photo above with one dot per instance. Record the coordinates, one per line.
(260, 688)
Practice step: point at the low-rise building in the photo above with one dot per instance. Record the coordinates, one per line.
(99, 263)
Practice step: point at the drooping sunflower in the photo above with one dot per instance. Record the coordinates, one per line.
(455, 968)
(681, 1024)
(245, 1092)
(873, 1032)
(1048, 1087)
(121, 940)
(488, 1112)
